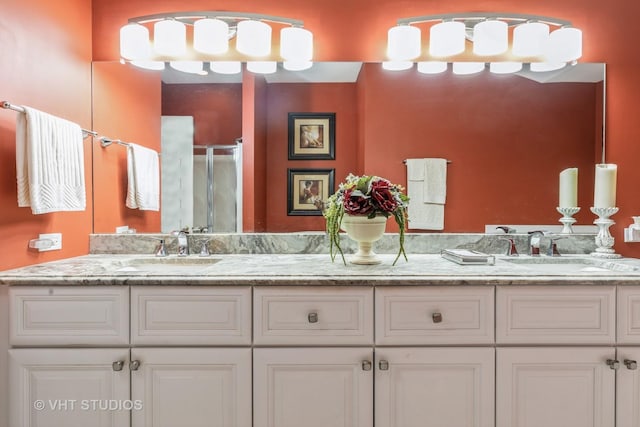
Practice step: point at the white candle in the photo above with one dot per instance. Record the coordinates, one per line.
(569, 188)
(605, 186)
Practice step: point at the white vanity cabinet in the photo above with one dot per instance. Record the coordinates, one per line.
(563, 371)
(188, 361)
(318, 369)
(426, 373)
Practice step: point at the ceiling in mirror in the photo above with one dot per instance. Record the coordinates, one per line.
(347, 72)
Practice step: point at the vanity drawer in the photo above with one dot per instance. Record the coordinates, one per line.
(434, 315)
(69, 315)
(555, 315)
(628, 315)
(190, 315)
(313, 316)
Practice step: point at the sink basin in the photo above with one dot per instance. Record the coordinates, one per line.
(570, 264)
(167, 265)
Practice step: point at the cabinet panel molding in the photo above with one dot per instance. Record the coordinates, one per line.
(69, 315)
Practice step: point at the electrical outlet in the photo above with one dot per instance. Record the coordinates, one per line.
(56, 238)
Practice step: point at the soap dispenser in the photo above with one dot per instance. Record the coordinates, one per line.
(632, 234)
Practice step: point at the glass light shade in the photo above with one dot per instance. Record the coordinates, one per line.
(505, 67)
(262, 67)
(134, 42)
(446, 39)
(225, 67)
(149, 65)
(530, 39)
(465, 68)
(170, 37)
(396, 65)
(432, 67)
(565, 45)
(297, 65)
(296, 44)
(541, 67)
(211, 36)
(193, 67)
(490, 37)
(403, 43)
(253, 38)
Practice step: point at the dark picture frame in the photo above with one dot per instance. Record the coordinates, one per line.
(308, 189)
(312, 136)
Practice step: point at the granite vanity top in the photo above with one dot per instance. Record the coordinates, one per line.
(315, 269)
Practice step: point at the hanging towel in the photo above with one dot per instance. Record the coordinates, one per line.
(435, 181)
(143, 172)
(49, 163)
(427, 195)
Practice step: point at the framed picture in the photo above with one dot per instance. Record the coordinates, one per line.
(308, 189)
(312, 136)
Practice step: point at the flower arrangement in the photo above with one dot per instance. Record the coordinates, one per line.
(365, 195)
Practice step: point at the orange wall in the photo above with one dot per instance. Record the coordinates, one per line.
(216, 110)
(46, 64)
(126, 107)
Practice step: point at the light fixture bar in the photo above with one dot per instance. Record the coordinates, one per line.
(189, 17)
(510, 18)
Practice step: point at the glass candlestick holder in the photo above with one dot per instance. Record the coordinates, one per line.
(567, 218)
(604, 239)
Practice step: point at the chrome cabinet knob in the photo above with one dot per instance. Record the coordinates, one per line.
(383, 365)
(613, 364)
(117, 365)
(313, 317)
(436, 317)
(134, 365)
(366, 365)
(630, 364)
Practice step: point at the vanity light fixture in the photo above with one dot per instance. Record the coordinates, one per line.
(534, 39)
(151, 40)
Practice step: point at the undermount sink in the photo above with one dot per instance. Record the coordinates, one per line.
(167, 264)
(570, 264)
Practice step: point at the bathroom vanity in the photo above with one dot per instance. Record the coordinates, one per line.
(291, 340)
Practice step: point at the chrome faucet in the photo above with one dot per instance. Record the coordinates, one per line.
(161, 250)
(204, 251)
(534, 242)
(511, 249)
(553, 247)
(183, 244)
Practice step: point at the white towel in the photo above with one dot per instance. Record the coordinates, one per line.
(49, 163)
(143, 172)
(415, 169)
(435, 181)
(427, 195)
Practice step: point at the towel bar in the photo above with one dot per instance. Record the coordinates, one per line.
(448, 162)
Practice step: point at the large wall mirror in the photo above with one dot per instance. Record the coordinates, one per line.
(507, 137)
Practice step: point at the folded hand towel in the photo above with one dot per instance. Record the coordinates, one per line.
(49, 163)
(435, 181)
(143, 172)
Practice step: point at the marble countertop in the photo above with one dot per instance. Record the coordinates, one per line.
(315, 269)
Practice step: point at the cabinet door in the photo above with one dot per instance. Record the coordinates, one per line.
(191, 387)
(434, 387)
(69, 387)
(313, 387)
(555, 387)
(628, 388)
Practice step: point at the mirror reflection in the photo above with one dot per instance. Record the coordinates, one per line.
(508, 137)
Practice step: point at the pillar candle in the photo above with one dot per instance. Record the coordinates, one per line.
(569, 188)
(605, 186)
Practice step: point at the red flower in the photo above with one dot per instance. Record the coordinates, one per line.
(356, 204)
(381, 192)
